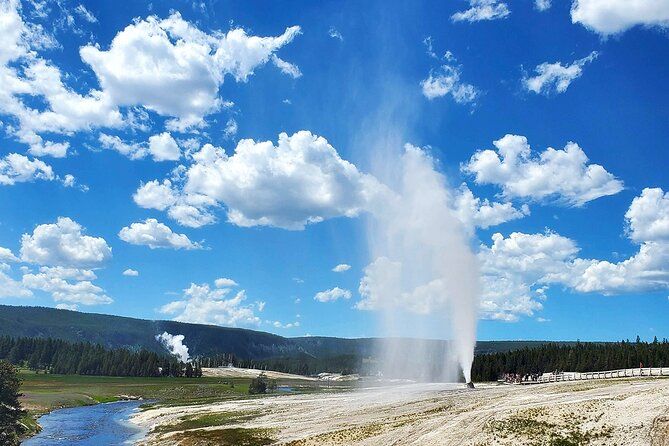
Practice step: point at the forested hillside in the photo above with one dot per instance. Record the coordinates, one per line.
(202, 340)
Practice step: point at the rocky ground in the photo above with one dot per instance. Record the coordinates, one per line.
(607, 412)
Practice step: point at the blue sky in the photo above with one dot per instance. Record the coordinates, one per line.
(363, 79)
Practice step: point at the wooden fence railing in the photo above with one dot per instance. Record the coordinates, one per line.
(577, 376)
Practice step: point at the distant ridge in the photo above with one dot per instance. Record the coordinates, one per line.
(202, 340)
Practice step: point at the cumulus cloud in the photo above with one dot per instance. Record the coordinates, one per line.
(154, 234)
(446, 81)
(475, 212)
(64, 244)
(332, 295)
(16, 168)
(175, 345)
(608, 17)
(131, 272)
(202, 304)
(10, 287)
(192, 210)
(300, 180)
(155, 195)
(482, 10)
(564, 175)
(342, 267)
(164, 148)
(517, 270)
(25, 74)
(648, 216)
(279, 324)
(133, 151)
(224, 282)
(67, 285)
(167, 66)
(161, 147)
(555, 77)
(174, 69)
(6, 255)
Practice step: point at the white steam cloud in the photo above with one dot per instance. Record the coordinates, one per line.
(422, 265)
(174, 344)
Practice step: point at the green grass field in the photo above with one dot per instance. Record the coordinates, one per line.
(42, 393)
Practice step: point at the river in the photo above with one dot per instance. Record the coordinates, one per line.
(99, 425)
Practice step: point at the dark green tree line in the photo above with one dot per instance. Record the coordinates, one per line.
(578, 357)
(82, 358)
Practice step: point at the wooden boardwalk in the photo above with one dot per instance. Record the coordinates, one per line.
(608, 374)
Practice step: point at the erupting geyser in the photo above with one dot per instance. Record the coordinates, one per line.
(423, 276)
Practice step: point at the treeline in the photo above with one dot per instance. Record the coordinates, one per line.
(578, 357)
(83, 358)
(297, 365)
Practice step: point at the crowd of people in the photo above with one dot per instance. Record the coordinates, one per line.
(517, 378)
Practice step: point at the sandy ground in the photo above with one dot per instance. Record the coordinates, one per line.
(234, 372)
(625, 412)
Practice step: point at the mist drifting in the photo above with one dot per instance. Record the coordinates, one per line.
(422, 272)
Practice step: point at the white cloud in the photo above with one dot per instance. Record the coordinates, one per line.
(474, 212)
(166, 66)
(174, 69)
(133, 151)
(63, 244)
(164, 148)
(332, 295)
(341, 268)
(648, 216)
(286, 67)
(555, 77)
(608, 17)
(300, 180)
(482, 10)
(542, 5)
(25, 74)
(518, 270)
(131, 272)
(446, 81)
(224, 282)
(15, 168)
(279, 324)
(564, 175)
(202, 305)
(67, 285)
(190, 210)
(6, 255)
(10, 287)
(155, 195)
(85, 14)
(231, 128)
(174, 344)
(154, 234)
(335, 34)
(69, 307)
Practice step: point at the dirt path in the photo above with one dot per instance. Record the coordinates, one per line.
(623, 412)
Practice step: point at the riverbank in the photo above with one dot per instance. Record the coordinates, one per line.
(43, 393)
(102, 424)
(617, 411)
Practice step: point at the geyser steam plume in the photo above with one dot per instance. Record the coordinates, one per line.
(174, 344)
(423, 271)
